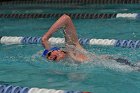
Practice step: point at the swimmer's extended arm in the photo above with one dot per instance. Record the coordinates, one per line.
(61, 22)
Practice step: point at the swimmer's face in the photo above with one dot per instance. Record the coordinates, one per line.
(56, 55)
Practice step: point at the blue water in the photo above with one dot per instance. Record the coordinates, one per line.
(18, 66)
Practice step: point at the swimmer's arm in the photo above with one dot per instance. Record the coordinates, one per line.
(62, 21)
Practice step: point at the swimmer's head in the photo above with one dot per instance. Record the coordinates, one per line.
(55, 54)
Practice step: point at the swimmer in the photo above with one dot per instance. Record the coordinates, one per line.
(71, 39)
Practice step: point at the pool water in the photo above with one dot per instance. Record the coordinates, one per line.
(19, 65)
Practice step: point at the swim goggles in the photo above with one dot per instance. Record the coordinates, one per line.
(46, 52)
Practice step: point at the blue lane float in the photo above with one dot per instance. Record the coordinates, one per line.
(18, 89)
(128, 43)
(138, 16)
(13, 89)
(83, 41)
(31, 40)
